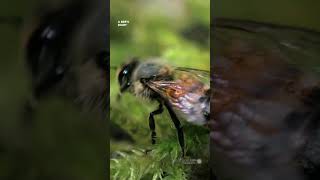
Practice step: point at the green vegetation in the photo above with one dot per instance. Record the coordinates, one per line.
(157, 30)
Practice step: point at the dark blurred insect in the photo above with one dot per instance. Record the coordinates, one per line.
(61, 45)
(67, 55)
(65, 44)
(183, 91)
(266, 100)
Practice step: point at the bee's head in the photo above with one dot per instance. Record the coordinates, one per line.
(125, 73)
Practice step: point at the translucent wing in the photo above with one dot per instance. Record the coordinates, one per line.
(201, 75)
(187, 93)
(297, 46)
(265, 62)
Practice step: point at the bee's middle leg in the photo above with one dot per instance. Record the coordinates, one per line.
(178, 126)
(152, 123)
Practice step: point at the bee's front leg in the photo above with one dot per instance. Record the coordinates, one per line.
(178, 126)
(152, 123)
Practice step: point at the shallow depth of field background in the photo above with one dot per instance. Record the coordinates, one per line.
(291, 13)
(286, 12)
(60, 142)
(177, 31)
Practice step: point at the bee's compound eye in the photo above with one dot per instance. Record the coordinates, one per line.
(125, 75)
(123, 79)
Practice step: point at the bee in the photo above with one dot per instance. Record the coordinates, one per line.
(184, 92)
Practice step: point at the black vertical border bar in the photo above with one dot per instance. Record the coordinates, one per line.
(212, 176)
(107, 156)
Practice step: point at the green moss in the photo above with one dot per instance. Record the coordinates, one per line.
(164, 160)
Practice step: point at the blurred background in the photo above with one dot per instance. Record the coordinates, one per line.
(50, 137)
(289, 13)
(285, 12)
(177, 32)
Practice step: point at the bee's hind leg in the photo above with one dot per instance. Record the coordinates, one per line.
(178, 126)
(152, 123)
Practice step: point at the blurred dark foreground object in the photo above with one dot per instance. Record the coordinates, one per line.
(61, 131)
(266, 96)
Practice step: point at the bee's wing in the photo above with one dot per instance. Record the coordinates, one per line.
(253, 60)
(201, 75)
(187, 94)
(296, 45)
